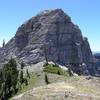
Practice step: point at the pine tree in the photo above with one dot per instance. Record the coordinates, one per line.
(22, 65)
(46, 79)
(9, 79)
(1, 82)
(58, 73)
(21, 77)
(69, 71)
(14, 73)
(1, 76)
(25, 81)
(21, 73)
(28, 75)
(3, 43)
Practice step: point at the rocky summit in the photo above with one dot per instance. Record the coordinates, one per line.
(50, 33)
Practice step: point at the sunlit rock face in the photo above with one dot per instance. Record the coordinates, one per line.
(54, 31)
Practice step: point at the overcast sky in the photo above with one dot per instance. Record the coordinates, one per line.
(84, 13)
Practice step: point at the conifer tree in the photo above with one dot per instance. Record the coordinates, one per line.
(9, 75)
(58, 72)
(14, 73)
(21, 73)
(25, 81)
(28, 75)
(46, 79)
(3, 43)
(22, 65)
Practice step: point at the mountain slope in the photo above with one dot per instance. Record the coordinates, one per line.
(52, 34)
(72, 88)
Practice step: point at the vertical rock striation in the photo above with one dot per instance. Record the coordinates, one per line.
(54, 31)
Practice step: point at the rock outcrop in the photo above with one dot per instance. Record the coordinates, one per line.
(97, 62)
(53, 32)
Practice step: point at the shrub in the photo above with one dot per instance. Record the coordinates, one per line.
(50, 68)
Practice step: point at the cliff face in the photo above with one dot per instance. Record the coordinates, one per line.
(54, 31)
(97, 62)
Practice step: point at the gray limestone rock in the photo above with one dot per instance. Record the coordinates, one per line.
(53, 31)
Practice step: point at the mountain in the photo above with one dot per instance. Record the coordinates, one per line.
(97, 56)
(97, 62)
(53, 35)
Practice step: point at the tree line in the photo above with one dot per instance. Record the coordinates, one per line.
(11, 79)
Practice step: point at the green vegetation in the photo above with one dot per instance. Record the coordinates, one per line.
(14, 82)
(31, 83)
(55, 69)
(51, 73)
(8, 80)
(11, 80)
(27, 73)
(21, 77)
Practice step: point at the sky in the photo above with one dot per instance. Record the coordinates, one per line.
(84, 13)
